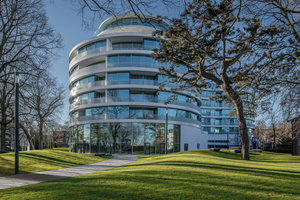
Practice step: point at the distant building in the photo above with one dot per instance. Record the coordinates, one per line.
(61, 139)
(295, 136)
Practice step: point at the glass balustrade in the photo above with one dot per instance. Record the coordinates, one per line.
(127, 116)
(132, 99)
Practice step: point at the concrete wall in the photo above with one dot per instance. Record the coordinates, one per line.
(191, 136)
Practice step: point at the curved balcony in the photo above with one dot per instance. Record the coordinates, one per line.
(124, 83)
(88, 69)
(126, 100)
(224, 124)
(106, 117)
(75, 90)
(74, 58)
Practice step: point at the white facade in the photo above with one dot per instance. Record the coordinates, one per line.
(115, 105)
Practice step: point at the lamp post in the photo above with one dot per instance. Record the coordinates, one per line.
(166, 130)
(17, 123)
(227, 140)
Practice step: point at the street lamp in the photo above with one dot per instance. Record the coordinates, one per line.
(17, 123)
(166, 130)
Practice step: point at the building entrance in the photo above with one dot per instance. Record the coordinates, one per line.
(147, 148)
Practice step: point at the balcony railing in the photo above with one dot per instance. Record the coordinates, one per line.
(126, 99)
(213, 104)
(88, 69)
(88, 52)
(127, 116)
(224, 123)
(120, 82)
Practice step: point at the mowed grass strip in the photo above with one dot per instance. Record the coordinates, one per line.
(43, 160)
(184, 175)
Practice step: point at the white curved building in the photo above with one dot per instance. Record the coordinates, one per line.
(113, 94)
(115, 105)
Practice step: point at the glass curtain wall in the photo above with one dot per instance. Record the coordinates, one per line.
(160, 138)
(75, 139)
(87, 139)
(176, 138)
(138, 138)
(80, 138)
(126, 138)
(95, 138)
(104, 137)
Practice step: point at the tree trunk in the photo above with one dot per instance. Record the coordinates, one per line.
(3, 139)
(3, 131)
(238, 103)
(29, 138)
(41, 135)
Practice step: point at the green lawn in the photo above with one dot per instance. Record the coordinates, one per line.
(186, 175)
(43, 160)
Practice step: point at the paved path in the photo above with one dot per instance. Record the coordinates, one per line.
(40, 177)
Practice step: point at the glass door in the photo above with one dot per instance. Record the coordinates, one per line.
(147, 148)
(162, 148)
(112, 149)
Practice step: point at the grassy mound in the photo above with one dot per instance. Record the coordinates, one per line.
(184, 175)
(43, 160)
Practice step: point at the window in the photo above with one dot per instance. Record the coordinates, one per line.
(75, 69)
(86, 96)
(100, 44)
(75, 114)
(217, 146)
(95, 111)
(218, 141)
(186, 147)
(118, 112)
(149, 96)
(124, 60)
(136, 96)
(150, 44)
(181, 113)
(172, 113)
(81, 50)
(118, 78)
(113, 61)
(198, 145)
(118, 95)
(92, 46)
(86, 80)
(96, 63)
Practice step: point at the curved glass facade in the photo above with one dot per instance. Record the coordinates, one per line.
(127, 138)
(131, 21)
(126, 112)
(127, 95)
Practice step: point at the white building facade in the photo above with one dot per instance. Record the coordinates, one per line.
(115, 103)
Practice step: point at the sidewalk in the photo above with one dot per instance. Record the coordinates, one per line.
(40, 177)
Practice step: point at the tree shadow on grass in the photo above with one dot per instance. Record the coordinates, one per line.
(249, 170)
(49, 159)
(140, 184)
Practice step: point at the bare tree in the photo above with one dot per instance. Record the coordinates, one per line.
(27, 40)
(45, 100)
(26, 35)
(259, 131)
(6, 107)
(93, 11)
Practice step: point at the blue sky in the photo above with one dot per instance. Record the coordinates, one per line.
(65, 21)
